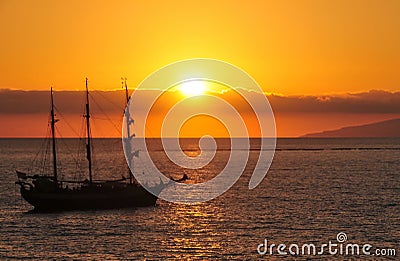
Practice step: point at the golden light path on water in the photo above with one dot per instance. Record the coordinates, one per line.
(199, 234)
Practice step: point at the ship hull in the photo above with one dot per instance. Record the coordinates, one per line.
(61, 200)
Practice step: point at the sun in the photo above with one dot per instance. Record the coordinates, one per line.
(193, 88)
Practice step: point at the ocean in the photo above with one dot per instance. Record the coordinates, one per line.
(318, 191)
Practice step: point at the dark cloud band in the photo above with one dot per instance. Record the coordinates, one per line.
(30, 102)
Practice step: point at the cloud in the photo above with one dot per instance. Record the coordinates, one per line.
(68, 102)
(374, 101)
(112, 102)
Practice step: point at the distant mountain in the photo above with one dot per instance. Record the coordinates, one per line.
(389, 128)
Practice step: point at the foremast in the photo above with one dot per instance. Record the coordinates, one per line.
(88, 136)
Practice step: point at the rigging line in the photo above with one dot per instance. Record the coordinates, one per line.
(44, 142)
(105, 114)
(69, 150)
(41, 149)
(62, 140)
(46, 158)
(78, 172)
(116, 105)
(65, 120)
(99, 118)
(102, 111)
(109, 100)
(94, 155)
(78, 155)
(38, 164)
(80, 151)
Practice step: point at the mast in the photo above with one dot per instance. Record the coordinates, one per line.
(126, 91)
(88, 145)
(128, 123)
(53, 137)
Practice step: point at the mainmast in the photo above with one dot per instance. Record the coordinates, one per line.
(129, 121)
(88, 145)
(53, 136)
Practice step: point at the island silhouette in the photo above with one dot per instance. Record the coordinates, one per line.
(388, 128)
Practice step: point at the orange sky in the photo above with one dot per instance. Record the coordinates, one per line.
(288, 47)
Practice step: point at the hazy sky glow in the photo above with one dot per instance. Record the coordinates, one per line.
(289, 47)
(320, 58)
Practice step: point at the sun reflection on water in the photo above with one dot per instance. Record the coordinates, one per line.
(192, 234)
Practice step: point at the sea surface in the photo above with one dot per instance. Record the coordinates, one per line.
(314, 190)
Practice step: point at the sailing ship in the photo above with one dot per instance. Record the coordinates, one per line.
(50, 193)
